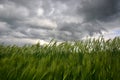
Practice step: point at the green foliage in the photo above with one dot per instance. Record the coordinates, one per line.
(80, 60)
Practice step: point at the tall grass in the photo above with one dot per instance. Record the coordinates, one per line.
(80, 60)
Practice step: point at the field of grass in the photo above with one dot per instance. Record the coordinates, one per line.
(79, 60)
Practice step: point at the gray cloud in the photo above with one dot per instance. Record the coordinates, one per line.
(98, 9)
(59, 19)
(13, 11)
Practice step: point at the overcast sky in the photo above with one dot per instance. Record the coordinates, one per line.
(27, 21)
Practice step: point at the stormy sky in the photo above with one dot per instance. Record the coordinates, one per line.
(28, 21)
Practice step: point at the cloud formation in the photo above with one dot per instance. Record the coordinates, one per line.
(98, 9)
(59, 19)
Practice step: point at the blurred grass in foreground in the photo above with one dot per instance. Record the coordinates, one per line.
(81, 60)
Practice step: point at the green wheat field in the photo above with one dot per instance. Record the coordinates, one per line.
(89, 59)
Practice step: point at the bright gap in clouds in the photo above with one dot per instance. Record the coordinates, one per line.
(22, 42)
(1, 6)
(40, 12)
(113, 34)
(106, 35)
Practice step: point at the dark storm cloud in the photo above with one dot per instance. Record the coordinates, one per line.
(98, 9)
